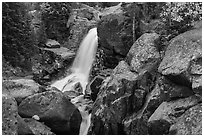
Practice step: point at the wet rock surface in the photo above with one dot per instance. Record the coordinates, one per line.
(54, 110)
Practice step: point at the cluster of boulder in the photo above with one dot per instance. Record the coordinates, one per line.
(152, 93)
(29, 108)
(147, 92)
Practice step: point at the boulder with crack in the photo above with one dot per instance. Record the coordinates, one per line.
(182, 62)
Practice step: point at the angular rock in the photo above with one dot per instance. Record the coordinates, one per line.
(168, 112)
(184, 55)
(196, 72)
(64, 53)
(74, 91)
(95, 86)
(23, 128)
(165, 90)
(143, 52)
(190, 123)
(52, 44)
(9, 116)
(37, 128)
(22, 88)
(112, 101)
(54, 110)
(135, 125)
(113, 41)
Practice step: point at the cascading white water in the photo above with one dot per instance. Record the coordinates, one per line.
(82, 63)
(80, 73)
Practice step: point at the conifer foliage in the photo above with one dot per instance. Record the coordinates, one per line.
(16, 35)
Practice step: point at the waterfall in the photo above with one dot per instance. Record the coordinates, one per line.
(82, 63)
(80, 69)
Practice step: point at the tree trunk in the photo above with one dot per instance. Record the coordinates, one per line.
(133, 27)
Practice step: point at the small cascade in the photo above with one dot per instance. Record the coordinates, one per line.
(80, 73)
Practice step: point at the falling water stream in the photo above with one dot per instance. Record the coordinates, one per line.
(80, 73)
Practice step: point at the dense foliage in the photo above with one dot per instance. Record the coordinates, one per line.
(16, 35)
(179, 16)
(55, 16)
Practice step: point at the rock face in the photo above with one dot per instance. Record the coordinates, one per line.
(54, 110)
(190, 123)
(9, 116)
(119, 106)
(182, 60)
(111, 38)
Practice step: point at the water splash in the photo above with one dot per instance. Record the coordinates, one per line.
(82, 63)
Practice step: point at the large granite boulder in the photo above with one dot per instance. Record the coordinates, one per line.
(143, 53)
(165, 90)
(182, 62)
(54, 109)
